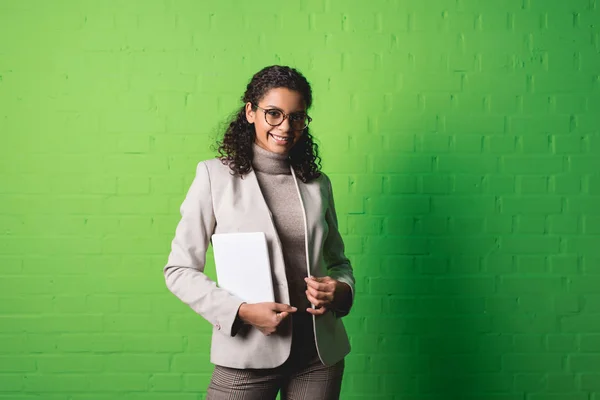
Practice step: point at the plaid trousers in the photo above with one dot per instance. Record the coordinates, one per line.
(302, 376)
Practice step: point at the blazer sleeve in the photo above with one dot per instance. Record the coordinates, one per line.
(184, 272)
(338, 265)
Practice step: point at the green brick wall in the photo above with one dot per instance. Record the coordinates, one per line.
(462, 138)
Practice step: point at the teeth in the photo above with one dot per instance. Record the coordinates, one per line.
(280, 137)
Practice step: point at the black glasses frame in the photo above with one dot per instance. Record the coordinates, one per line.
(266, 110)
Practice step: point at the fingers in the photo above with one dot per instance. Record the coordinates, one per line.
(321, 284)
(283, 307)
(315, 301)
(317, 311)
(323, 296)
(281, 316)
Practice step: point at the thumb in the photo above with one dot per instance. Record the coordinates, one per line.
(283, 307)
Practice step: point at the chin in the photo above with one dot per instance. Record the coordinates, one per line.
(279, 149)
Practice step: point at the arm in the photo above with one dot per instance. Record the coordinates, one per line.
(338, 266)
(184, 272)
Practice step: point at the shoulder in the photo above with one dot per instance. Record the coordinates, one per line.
(323, 181)
(214, 167)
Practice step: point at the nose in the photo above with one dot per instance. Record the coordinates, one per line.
(285, 125)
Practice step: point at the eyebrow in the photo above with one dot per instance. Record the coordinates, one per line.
(293, 112)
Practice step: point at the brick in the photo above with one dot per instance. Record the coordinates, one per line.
(471, 184)
(531, 244)
(399, 226)
(468, 144)
(530, 382)
(564, 264)
(525, 324)
(583, 164)
(528, 344)
(127, 382)
(532, 185)
(11, 382)
(467, 164)
(138, 185)
(399, 205)
(458, 246)
(531, 205)
(532, 284)
(531, 264)
(466, 265)
(432, 184)
(407, 164)
(433, 143)
(56, 383)
(467, 225)
(365, 225)
(17, 363)
(582, 245)
(98, 343)
(500, 184)
(401, 286)
(483, 82)
(584, 363)
(593, 185)
(134, 323)
(561, 343)
(530, 224)
(581, 322)
(196, 382)
(399, 184)
(186, 363)
(499, 144)
(135, 363)
(477, 286)
(69, 363)
(534, 143)
(533, 362)
(166, 382)
(532, 165)
(470, 363)
(563, 224)
(590, 381)
(567, 144)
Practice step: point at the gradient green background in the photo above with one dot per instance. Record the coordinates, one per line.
(462, 138)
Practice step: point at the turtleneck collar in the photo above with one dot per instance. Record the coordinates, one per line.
(269, 162)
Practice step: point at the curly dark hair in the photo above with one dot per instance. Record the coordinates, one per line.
(235, 149)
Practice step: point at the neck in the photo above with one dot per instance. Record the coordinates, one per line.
(269, 162)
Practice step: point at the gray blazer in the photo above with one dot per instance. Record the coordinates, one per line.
(219, 202)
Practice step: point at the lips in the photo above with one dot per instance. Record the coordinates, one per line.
(282, 139)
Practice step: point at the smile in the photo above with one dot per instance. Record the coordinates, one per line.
(281, 138)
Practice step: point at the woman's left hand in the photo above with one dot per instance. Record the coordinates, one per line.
(326, 293)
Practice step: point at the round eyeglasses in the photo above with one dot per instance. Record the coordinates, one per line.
(275, 117)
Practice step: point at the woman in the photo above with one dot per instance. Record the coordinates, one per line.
(267, 179)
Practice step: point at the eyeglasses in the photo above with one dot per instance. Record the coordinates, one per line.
(275, 117)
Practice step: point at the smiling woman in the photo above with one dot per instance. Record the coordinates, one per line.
(276, 92)
(296, 344)
(280, 131)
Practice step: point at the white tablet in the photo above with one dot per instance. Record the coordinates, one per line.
(243, 266)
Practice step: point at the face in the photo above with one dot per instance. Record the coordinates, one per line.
(281, 138)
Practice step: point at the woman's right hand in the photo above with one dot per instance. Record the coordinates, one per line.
(265, 316)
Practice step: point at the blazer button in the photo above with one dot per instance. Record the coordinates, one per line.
(218, 326)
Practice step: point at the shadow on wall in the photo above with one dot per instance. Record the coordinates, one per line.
(432, 279)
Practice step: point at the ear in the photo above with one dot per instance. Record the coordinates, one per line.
(250, 113)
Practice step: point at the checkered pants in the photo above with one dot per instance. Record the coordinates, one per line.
(301, 377)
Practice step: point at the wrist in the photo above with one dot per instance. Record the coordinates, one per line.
(243, 312)
(344, 296)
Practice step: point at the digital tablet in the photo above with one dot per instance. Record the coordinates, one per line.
(243, 266)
